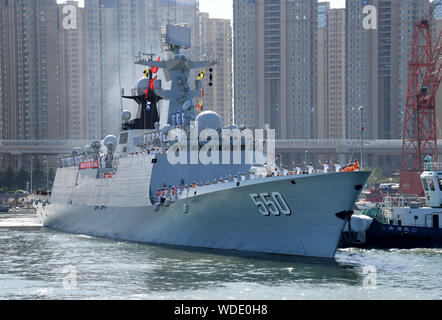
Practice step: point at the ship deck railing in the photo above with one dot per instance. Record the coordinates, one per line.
(435, 166)
(399, 201)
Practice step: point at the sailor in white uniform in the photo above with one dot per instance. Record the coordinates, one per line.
(276, 173)
(310, 168)
(338, 167)
(326, 167)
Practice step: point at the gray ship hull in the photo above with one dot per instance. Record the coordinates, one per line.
(222, 216)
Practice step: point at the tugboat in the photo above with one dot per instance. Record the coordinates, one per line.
(129, 188)
(402, 222)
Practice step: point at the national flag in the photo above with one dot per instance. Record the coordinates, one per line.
(201, 75)
(200, 105)
(155, 69)
(152, 83)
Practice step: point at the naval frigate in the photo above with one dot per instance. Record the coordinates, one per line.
(117, 188)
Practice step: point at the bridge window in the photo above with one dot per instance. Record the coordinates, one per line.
(124, 137)
(440, 184)
(424, 182)
(431, 184)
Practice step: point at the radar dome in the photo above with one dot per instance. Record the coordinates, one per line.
(126, 115)
(110, 141)
(142, 85)
(209, 120)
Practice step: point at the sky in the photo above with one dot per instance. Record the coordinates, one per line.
(223, 8)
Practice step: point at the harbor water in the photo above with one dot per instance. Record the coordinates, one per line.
(39, 263)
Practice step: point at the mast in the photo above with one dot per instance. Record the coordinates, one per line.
(177, 70)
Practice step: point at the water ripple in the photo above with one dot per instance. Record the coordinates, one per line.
(35, 263)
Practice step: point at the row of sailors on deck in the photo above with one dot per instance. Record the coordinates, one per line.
(71, 161)
(174, 193)
(146, 152)
(351, 167)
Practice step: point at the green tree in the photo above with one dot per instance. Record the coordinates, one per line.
(376, 176)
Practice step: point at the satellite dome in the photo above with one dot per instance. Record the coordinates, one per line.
(142, 85)
(209, 120)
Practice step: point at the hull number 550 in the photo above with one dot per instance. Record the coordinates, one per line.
(273, 203)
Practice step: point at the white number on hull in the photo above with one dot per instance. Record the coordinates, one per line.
(274, 204)
(281, 204)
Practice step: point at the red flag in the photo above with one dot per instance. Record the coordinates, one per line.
(152, 83)
(146, 92)
(155, 69)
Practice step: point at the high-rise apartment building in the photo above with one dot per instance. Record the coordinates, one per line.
(361, 70)
(377, 65)
(29, 78)
(216, 43)
(331, 72)
(116, 31)
(275, 65)
(73, 116)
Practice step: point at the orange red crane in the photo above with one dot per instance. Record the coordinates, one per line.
(420, 135)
